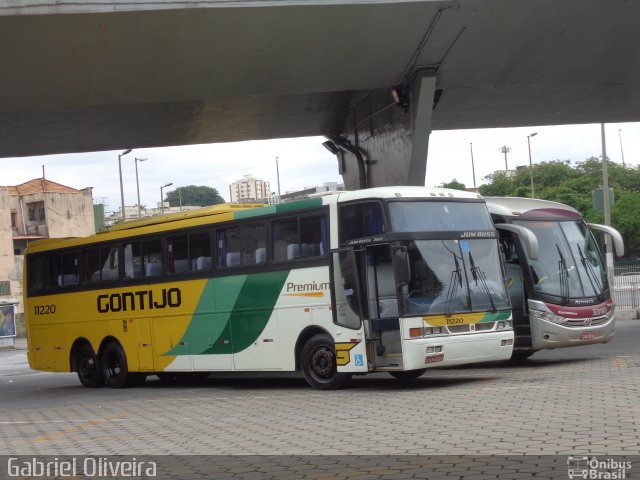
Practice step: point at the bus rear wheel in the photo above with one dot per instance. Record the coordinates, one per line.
(319, 365)
(408, 374)
(115, 370)
(88, 367)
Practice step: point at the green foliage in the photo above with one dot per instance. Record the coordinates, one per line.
(193, 195)
(559, 181)
(454, 185)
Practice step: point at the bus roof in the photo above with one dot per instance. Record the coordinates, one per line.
(530, 208)
(227, 212)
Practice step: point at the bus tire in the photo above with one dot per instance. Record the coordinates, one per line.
(521, 355)
(319, 366)
(87, 366)
(115, 369)
(408, 374)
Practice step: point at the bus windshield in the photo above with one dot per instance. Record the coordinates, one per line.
(439, 216)
(569, 265)
(454, 276)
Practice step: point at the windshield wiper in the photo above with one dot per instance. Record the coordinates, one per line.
(479, 275)
(592, 275)
(454, 283)
(563, 273)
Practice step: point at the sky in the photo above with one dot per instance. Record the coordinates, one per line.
(304, 162)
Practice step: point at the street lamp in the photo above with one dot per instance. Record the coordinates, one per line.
(473, 168)
(162, 197)
(533, 193)
(138, 183)
(621, 151)
(121, 187)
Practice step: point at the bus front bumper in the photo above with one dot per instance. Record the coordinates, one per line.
(546, 334)
(453, 350)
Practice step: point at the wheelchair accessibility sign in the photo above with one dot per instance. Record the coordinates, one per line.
(359, 360)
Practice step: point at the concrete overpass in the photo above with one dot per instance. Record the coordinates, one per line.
(81, 76)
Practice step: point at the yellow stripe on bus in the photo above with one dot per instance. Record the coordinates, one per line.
(455, 319)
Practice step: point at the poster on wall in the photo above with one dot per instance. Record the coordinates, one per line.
(7, 321)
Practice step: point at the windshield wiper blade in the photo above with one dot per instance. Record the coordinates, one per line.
(478, 274)
(591, 273)
(454, 283)
(563, 273)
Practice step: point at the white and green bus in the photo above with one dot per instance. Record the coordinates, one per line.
(395, 279)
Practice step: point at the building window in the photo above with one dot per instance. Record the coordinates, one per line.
(14, 219)
(5, 288)
(36, 212)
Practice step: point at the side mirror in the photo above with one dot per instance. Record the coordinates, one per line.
(526, 236)
(401, 266)
(618, 244)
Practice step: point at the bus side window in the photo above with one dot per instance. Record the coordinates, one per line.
(360, 220)
(286, 245)
(109, 262)
(178, 254)
(90, 266)
(69, 274)
(36, 274)
(152, 258)
(132, 260)
(200, 251)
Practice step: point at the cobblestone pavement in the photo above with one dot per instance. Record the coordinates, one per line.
(580, 401)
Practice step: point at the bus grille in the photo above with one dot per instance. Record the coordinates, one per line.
(580, 322)
(477, 327)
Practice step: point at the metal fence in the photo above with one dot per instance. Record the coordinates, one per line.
(626, 287)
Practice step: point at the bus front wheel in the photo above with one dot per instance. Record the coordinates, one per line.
(87, 367)
(319, 365)
(408, 374)
(115, 370)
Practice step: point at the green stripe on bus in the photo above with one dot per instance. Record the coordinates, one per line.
(281, 208)
(496, 316)
(231, 313)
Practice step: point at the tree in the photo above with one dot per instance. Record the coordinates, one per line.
(559, 181)
(454, 185)
(200, 196)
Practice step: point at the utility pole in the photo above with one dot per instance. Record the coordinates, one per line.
(605, 201)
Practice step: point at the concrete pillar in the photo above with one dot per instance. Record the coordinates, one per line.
(391, 139)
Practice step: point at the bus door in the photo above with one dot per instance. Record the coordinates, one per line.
(515, 265)
(383, 333)
(348, 307)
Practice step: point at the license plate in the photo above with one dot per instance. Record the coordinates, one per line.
(434, 358)
(587, 336)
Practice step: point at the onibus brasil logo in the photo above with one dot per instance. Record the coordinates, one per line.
(596, 469)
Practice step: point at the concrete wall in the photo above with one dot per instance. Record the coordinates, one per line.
(6, 237)
(69, 215)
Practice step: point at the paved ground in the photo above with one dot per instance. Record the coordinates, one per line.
(580, 401)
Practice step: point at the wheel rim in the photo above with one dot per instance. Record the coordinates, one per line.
(323, 363)
(87, 367)
(113, 367)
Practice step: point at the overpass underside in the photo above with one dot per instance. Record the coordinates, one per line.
(374, 76)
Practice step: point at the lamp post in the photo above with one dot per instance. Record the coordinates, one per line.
(138, 183)
(473, 168)
(533, 192)
(278, 176)
(162, 197)
(121, 187)
(621, 151)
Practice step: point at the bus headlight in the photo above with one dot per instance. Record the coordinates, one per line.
(550, 317)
